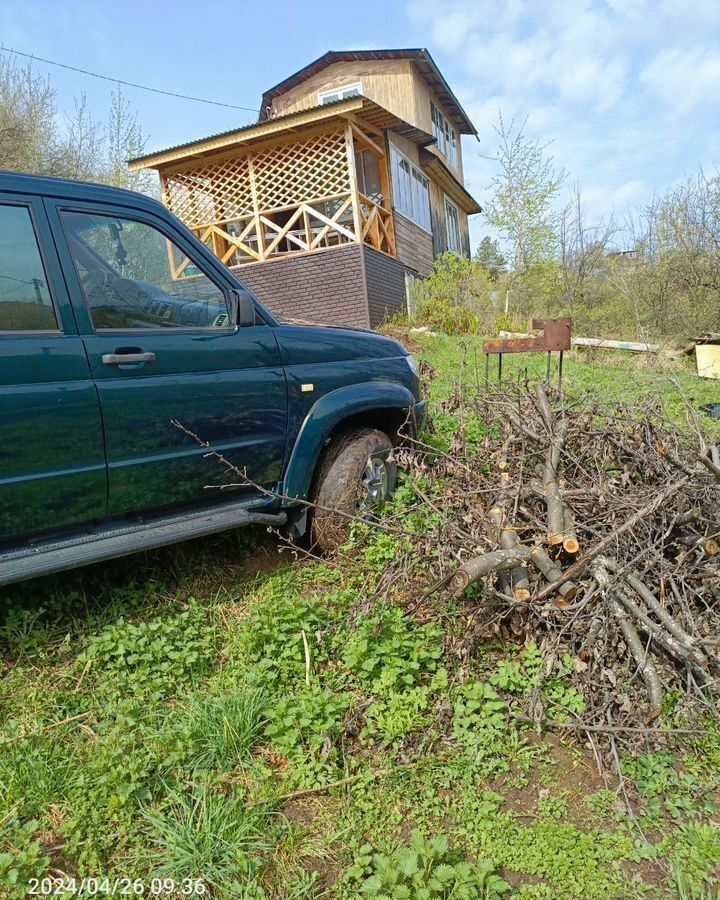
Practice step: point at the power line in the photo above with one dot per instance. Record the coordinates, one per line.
(131, 84)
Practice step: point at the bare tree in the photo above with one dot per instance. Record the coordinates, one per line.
(125, 139)
(673, 280)
(583, 251)
(27, 118)
(34, 140)
(80, 149)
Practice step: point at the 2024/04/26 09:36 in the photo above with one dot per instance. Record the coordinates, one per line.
(127, 887)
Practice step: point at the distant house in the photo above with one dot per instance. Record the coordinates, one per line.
(624, 257)
(349, 185)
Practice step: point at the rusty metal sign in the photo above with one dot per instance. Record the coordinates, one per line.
(556, 336)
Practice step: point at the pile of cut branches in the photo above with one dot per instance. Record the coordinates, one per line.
(592, 530)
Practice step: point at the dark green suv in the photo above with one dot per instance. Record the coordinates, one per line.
(127, 350)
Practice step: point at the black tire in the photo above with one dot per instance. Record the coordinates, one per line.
(354, 477)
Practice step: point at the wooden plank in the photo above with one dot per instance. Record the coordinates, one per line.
(604, 344)
(260, 234)
(282, 231)
(368, 220)
(385, 182)
(353, 180)
(330, 224)
(367, 141)
(238, 243)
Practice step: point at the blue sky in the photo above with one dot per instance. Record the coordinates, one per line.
(628, 91)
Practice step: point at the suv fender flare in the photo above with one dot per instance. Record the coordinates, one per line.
(325, 415)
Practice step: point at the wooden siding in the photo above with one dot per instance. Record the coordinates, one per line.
(424, 99)
(414, 245)
(406, 147)
(394, 84)
(388, 82)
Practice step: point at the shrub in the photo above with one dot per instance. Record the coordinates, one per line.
(21, 856)
(457, 298)
(272, 640)
(150, 659)
(304, 727)
(386, 654)
(119, 775)
(424, 868)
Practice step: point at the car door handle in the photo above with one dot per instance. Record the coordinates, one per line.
(122, 359)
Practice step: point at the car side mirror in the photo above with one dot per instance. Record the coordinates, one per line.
(242, 309)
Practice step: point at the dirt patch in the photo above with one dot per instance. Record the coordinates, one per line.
(60, 865)
(521, 879)
(403, 335)
(266, 557)
(307, 814)
(563, 773)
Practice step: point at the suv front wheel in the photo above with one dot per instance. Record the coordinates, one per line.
(354, 480)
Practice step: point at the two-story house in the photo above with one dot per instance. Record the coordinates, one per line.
(349, 185)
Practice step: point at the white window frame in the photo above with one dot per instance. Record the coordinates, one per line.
(323, 95)
(458, 248)
(408, 200)
(445, 136)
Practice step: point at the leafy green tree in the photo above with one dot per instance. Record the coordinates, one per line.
(488, 254)
(524, 189)
(27, 119)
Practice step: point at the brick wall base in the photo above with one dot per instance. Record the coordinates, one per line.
(348, 285)
(327, 286)
(385, 284)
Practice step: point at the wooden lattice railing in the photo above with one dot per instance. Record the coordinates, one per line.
(307, 227)
(377, 225)
(295, 197)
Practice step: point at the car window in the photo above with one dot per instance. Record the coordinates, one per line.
(25, 303)
(134, 277)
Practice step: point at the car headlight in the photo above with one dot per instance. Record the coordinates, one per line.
(413, 363)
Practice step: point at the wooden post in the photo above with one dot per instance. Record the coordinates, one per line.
(384, 163)
(349, 146)
(386, 187)
(166, 202)
(259, 231)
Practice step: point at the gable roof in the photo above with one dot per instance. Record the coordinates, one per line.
(422, 59)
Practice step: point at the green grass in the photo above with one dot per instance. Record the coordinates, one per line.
(161, 718)
(608, 376)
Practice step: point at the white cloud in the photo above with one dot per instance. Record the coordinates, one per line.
(627, 90)
(685, 78)
(601, 201)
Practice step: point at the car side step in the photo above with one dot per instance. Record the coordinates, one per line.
(106, 542)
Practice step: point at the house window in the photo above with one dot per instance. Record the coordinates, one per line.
(367, 171)
(445, 136)
(411, 193)
(343, 93)
(453, 227)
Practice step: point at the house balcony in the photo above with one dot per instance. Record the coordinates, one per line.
(310, 185)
